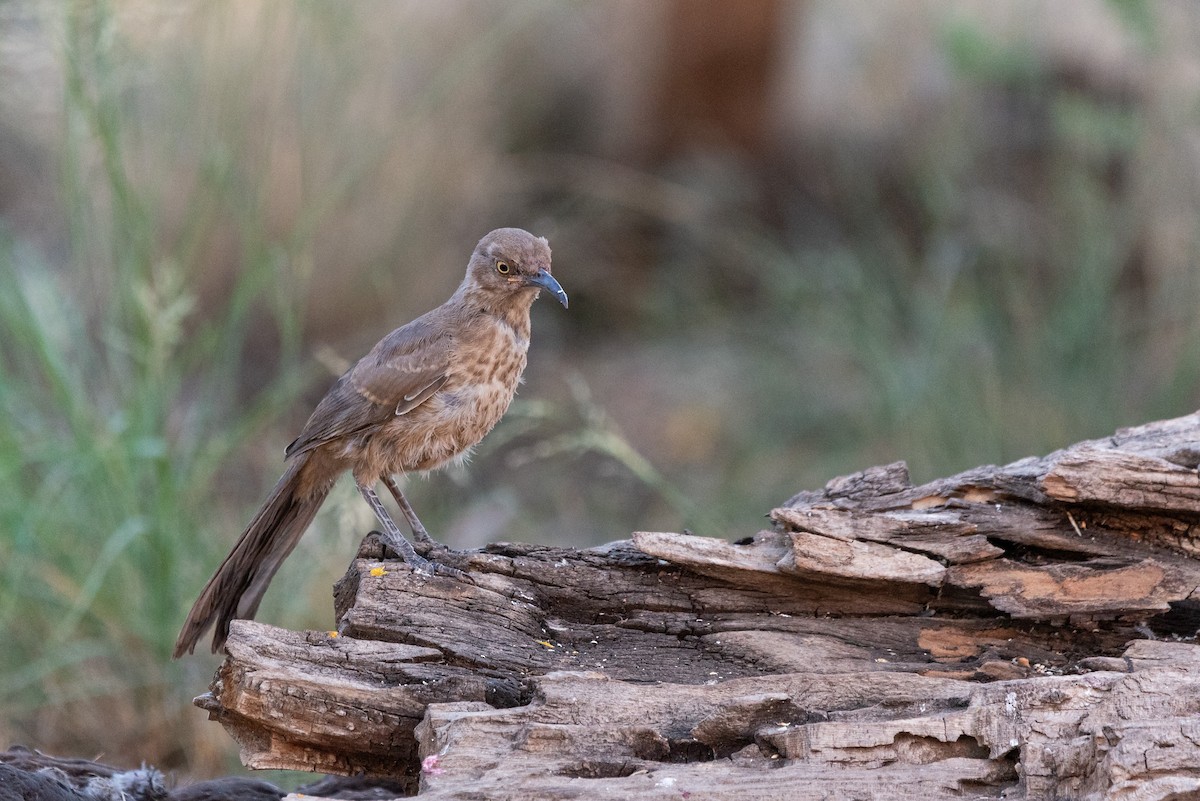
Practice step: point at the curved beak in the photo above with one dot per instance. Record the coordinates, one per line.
(546, 281)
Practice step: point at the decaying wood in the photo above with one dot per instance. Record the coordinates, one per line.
(1021, 631)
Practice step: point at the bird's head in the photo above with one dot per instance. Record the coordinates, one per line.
(511, 263)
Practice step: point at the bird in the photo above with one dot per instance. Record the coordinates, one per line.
(421, 399)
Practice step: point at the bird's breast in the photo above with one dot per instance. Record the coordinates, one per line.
(481, 380)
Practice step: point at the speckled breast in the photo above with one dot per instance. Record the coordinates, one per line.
(480, 385)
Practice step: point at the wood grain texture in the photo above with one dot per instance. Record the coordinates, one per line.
(1022, 632)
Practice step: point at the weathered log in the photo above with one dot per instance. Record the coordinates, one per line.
(992, 633)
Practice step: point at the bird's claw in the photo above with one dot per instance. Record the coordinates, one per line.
(452, 572)
(432, 568)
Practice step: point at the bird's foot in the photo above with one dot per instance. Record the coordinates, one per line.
(443, 569)
(429, 552)
(419, 561)
(434, 568)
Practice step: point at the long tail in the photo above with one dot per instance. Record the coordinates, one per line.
(236, 588)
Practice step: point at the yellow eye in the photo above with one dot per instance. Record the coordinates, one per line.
(503, 267)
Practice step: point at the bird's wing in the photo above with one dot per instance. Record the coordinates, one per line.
(400, 373)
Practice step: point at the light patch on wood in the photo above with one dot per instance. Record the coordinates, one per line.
(1065, 589)
(861, 560)
(980, 495)
(689, 549)
(1059, 488)
(948, 643)
(929, 502)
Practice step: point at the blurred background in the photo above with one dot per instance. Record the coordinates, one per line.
(800, 238)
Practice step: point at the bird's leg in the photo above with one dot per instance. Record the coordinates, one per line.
(418, 530)
(395, 540)
(391, 533)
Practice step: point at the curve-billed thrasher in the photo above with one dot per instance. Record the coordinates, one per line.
(423, 397)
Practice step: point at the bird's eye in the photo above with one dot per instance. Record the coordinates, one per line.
(503, 267)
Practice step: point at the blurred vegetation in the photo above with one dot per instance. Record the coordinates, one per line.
(248, 199)
(119, 421)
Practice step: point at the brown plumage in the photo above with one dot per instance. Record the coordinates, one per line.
(423, 397)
